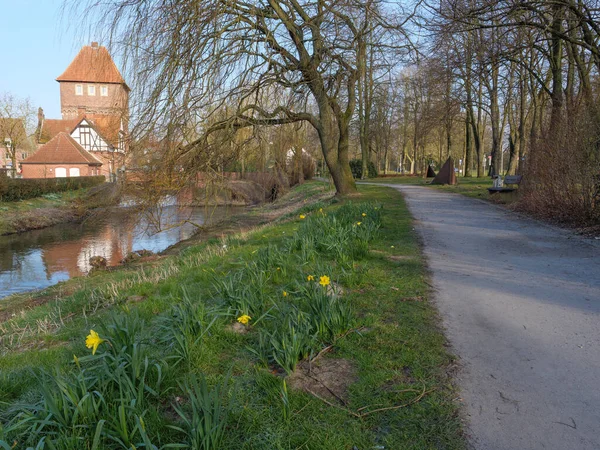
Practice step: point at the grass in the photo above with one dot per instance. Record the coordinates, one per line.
(37, 212)
(176, 370)
(468, 186)
(55, 200)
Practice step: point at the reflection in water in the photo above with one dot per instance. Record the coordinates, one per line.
(40, 258)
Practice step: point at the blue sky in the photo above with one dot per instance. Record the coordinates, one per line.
(36, 46)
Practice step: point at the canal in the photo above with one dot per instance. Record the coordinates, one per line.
(41, 258)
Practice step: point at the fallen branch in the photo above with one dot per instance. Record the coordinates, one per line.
(358, 414)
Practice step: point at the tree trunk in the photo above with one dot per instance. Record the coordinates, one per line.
(468, 172)
(555, 60)
(495, 119)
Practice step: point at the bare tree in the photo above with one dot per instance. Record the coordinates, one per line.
(16, 118)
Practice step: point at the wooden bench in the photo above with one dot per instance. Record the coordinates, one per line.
(514, 180)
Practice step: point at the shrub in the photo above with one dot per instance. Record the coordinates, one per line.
(12, 190)
(356, 168)
(562, 171)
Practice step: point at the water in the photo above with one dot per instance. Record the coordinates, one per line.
(41, 258)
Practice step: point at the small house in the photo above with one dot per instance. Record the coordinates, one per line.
(61, 157)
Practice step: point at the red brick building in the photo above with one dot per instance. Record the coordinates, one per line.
(61, 157)
(94, 101)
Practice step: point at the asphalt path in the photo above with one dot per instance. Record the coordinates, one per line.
(520, 302)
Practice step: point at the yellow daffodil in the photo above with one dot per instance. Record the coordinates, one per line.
(324, 280)
(284, 293)
(244, 319)
(302, 216)
(310, 278)
(320, 210)
(93, 341)
(358, 223)
(364, 214)
(279, 268)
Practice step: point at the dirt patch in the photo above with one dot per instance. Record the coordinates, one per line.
(328, 378)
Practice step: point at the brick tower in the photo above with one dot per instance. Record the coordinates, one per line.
(93, 87)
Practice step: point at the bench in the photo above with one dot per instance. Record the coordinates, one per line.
(508, 179)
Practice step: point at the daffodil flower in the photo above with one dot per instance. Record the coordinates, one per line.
(302, 216)
(244, 319)
(285, 294)
(310, 278)
(93, 341)
(364, 214)
(324, 280)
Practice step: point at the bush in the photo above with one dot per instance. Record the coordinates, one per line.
(12, 190)
(562, 172)
(356, 168)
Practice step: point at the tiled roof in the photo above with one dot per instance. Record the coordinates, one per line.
(51, 127)
(62, 149)
(93, 64)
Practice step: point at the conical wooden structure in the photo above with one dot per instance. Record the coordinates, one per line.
(446, 175)
(430, 172)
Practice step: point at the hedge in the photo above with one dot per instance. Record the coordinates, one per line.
(356, 168)
(14, 189)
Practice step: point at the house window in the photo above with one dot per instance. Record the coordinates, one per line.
(91, 89)
(61, 172)
(74, 171)
(85, 137)
(104, 91)
(78, 89)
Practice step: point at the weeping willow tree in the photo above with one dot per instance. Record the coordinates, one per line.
(273, 62)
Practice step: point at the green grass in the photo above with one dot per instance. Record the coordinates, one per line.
(56, 200)
(199, 372)
(37, 212)
(470, 187)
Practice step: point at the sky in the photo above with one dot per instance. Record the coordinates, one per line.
(36, 46)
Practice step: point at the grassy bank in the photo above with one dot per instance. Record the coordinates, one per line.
(40, 212)
(340, 348)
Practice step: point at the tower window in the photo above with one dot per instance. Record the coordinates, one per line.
(91, 89)
(78, 89)
(104, 91)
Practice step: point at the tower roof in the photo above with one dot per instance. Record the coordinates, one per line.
(62, 149)
(93, 64)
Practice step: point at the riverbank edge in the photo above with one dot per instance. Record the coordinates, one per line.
(54, 209)
(15, 223)
(255, 217)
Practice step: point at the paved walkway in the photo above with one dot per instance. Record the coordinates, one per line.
(521, 305)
